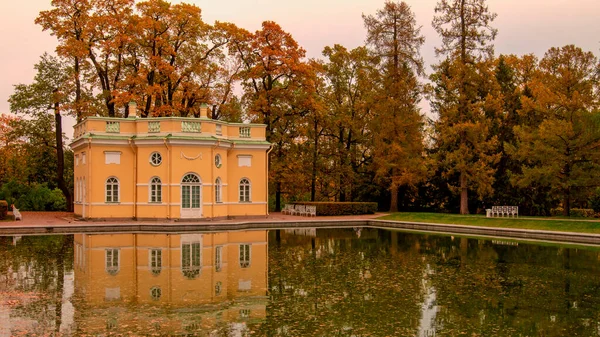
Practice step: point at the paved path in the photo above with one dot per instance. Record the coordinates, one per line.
(57, 219)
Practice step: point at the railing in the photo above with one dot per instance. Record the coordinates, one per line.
(190, 126)
(244, 132)
(113, 127)
(153, 127)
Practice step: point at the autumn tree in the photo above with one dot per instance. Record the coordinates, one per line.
(275, 83)
(393, 36)
(347, 93)
(465, 147)
(560, 150)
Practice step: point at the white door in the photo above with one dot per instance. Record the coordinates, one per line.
(191, 196)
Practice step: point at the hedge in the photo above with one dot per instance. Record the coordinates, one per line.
(328, 208)
(3, 209)
(575, 212)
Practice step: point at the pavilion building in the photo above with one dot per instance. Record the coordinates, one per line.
(169, 168)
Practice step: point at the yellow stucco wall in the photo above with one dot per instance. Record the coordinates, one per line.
(182, 152)
(135, 280)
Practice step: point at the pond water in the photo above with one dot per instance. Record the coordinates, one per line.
(298, 282)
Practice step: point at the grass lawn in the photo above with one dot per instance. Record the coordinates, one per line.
(566, 225)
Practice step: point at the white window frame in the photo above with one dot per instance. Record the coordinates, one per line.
(218, 190)
(155, 293)
(218, 258)
(76, 160)
(112, 185)
(188, 267)
(76, 189)
(155, 198)
(112, 265)
(155, 155)
(245, 195)
(155, 260)
(245, 256)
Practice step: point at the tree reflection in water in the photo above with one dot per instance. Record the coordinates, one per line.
(309, 282)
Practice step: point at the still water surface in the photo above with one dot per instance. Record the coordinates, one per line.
(303, 282)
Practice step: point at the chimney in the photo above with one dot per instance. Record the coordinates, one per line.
(204, 110)
(132, 109)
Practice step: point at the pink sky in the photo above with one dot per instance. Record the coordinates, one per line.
(525, 26)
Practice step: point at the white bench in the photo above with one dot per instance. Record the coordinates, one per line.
(16, 213)
(287, 209)
(503, 211)
(302, 210)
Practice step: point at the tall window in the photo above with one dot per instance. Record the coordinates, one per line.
(112, 260)
(218, 190)
(190, 191)
(76, 189)
(218, 258)
(155, 261)
(244, 190)
(155, 190)
(190, 259)
(112, 190)
(244, 255)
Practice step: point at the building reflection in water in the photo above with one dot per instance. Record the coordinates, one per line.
(170, 282)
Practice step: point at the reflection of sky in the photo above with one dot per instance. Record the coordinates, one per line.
(68, 311)
(429, 307)
(530, 26)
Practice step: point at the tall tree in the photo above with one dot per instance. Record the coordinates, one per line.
(347, 95)
(49, 89)
(465, 146)
(561, 150)
(276, 85)
(393, 35)
(69, 22)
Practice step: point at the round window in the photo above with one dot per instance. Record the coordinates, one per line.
(218, 160)
(155, 293)
(155, 158)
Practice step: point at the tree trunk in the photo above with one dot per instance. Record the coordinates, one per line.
(60, 156)
(567, 203)
(394, 198)
(313, 178)
(278, 196)
(464, 197)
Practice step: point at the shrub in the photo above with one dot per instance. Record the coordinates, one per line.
(575, 212)
(3, 209)
(342, 208)
(37, 197)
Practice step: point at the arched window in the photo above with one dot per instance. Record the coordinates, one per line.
(218, 190)
(190, 191)
(245, 190)
(155, 190)
(191, 259)
(112, 190)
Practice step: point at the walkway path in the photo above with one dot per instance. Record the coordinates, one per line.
(57, 219)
